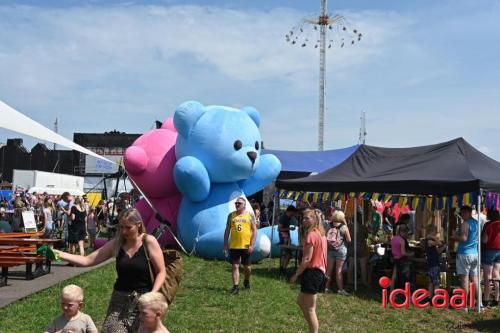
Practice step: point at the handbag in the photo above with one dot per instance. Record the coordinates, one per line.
(173, 267)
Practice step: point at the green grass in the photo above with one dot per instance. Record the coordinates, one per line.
(204, 305)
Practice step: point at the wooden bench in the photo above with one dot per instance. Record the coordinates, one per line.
(8, 260)
(21, 234)
(17, 251)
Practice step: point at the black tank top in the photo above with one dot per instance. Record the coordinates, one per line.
(133, 273)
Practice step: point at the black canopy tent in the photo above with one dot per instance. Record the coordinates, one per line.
(441, 169)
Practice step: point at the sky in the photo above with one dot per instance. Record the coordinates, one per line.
(424, 72)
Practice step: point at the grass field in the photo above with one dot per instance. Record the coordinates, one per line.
(204, 305)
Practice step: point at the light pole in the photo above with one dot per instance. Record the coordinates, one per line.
(300, 35)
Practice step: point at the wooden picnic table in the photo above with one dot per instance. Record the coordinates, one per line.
(14, 254)
(7, 247)
(21, 234)
(27, 241)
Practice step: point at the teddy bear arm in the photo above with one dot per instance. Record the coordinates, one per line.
(269, 168)
(191, 178)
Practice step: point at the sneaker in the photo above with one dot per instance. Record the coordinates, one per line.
(343, 292)
(234, 290)
(327, 290)
(246, 284)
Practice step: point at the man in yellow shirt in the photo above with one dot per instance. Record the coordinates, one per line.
(243, 229)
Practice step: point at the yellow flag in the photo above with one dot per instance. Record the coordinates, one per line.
(467, 199)
(387, 198)
(428, 203)
(416, 201)
(401, 202)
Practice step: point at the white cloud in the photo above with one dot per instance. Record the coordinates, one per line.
(105, 67)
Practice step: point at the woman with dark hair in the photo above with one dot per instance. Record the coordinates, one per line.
(312, 268)
(129, 247)
(388, 221)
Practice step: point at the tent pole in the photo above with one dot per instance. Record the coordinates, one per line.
(447, 244)
(275, 196)
(355, 207)
(479, 230)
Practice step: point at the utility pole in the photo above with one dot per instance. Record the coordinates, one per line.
(362, 129)
(55, 130)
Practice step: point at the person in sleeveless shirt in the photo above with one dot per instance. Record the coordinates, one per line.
(467, 255)
(243, 230)
(77, 227)
(312, 268)
(133, 278)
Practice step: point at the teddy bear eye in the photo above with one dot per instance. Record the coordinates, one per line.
(237, 145)
(257, 145)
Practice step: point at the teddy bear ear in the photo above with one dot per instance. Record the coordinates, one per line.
(169, 124)
(253, 113)
(186, 115)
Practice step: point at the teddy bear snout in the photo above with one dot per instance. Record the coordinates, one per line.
(252, 156)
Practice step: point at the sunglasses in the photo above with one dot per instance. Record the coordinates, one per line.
(238, 203)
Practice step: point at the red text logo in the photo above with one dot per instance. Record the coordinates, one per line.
(440, 300)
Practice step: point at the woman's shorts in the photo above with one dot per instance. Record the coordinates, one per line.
(490, 257)
(387, 227)
(340, 254)
(312, 281)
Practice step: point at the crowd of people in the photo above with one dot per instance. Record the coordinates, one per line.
(71, 218)
(392, 233)
(327, 253)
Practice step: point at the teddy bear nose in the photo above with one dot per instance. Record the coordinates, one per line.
(252, 156)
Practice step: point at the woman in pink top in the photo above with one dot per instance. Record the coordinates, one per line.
(399, 246)
(312, 268)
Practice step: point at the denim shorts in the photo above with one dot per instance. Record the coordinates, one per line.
(490, 257)
(467, 264)
(340, 254)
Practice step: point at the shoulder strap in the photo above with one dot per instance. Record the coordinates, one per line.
(151, 274)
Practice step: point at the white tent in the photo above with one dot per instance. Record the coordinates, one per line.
(14, 120)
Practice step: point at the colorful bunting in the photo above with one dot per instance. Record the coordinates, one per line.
(491, 200)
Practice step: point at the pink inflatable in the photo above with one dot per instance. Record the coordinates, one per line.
(149, 162)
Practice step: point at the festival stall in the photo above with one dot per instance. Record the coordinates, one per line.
(298, 164)
(442, 175)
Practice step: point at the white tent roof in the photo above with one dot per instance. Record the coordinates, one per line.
(14, 120)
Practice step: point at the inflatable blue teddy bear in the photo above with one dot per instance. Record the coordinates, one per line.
(218, 160)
